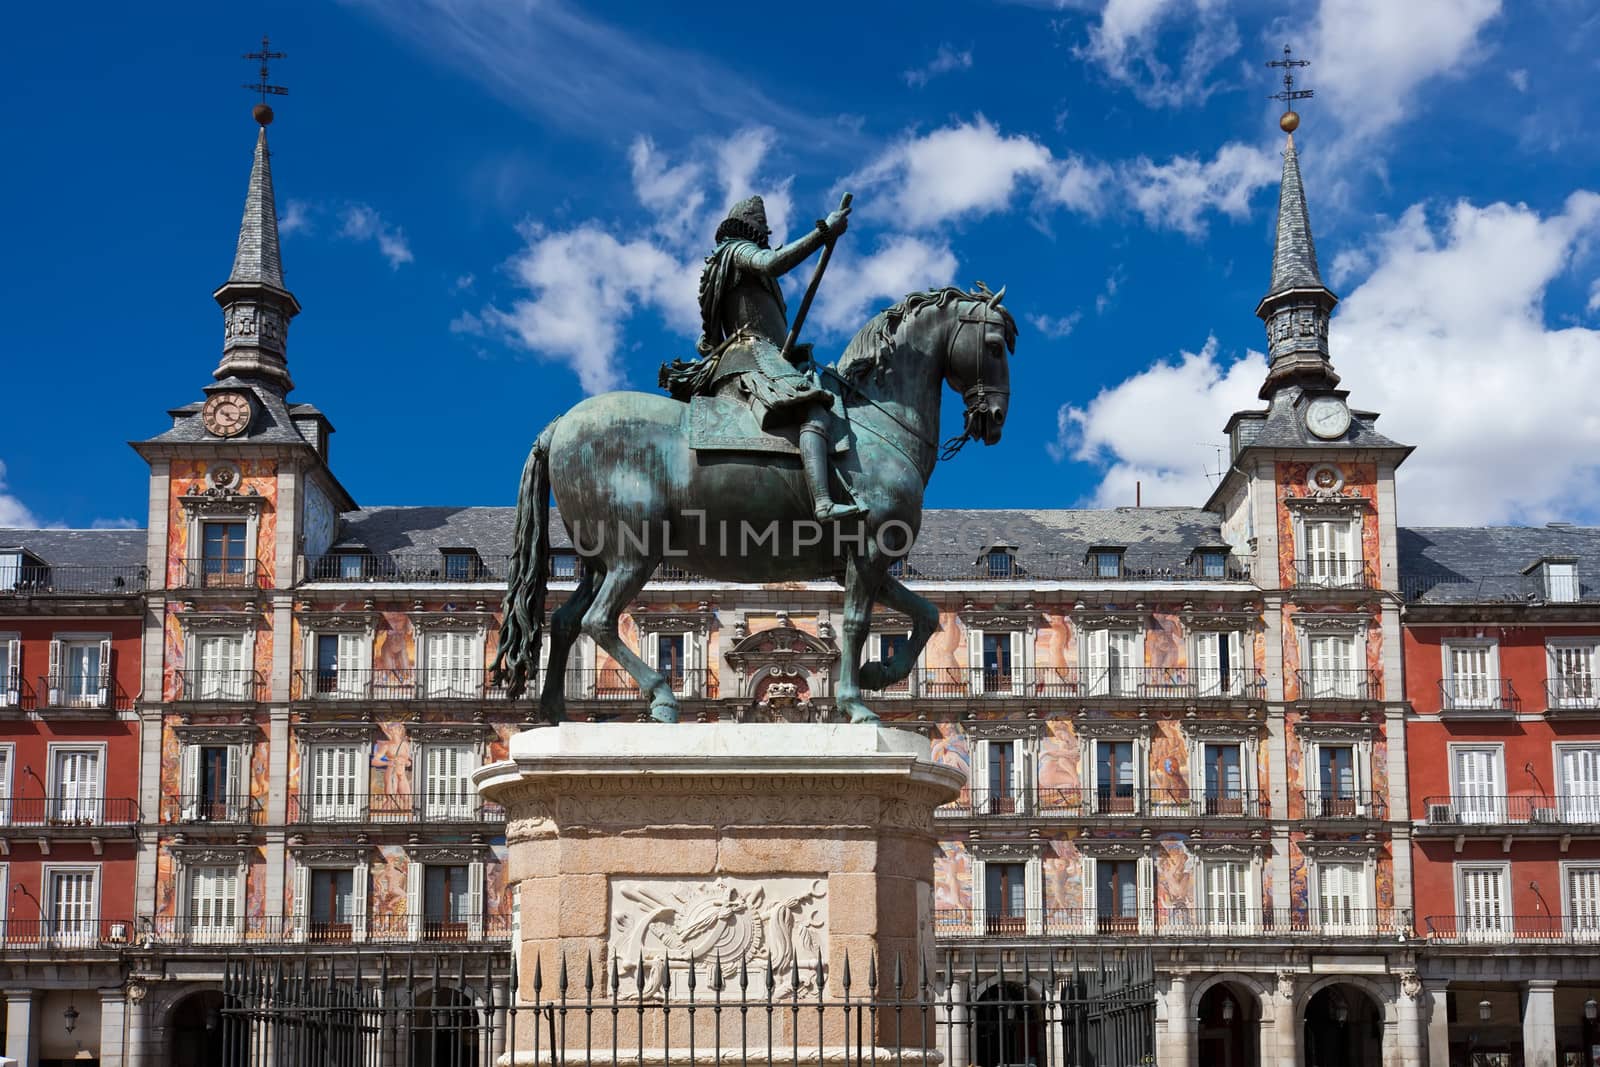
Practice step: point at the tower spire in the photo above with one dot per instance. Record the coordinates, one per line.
(1297, 305)
(256, 306)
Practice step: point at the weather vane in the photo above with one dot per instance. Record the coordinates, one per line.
(262, 112)
(1291, 118)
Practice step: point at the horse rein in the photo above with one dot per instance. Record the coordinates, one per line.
(977, 394)
(855, 390)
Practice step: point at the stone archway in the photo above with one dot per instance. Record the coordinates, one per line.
(194, 1029)
(1228, 1025)
(1343, 1026)
(445, 1029)
(1008, 1026)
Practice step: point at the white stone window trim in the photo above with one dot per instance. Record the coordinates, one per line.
(8, 770)
(1575, 805)
(1453, 697)
(199, 511)
(1252, 857)
(58, 668)
(1031, 856)
(1247, 736)
(1241, 643)
(94, 809)
(360, 891)
(48, 872)
(365, 632)
(419, 775)
(417, 862)
(1501, 931)
(1364, 854)
(694, 655)
(1584, 927)
(429, 687)
(11, 677)
(1361, 762)
(1026, 757)
(1353, 628)
(1490, 807)
(1353, 510)
(211, 626)
(309, 746)
(1022, 642)
(237, 799)
(1090, 734)
(911, 686)
(1588, 694)
(1091, 855)
(188, 862)
(1095, 644)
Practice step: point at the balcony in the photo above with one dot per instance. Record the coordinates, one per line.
(16, 695)
(1497, 931)
(209, 810)
(223, 574)
(1332, 575)
(1131, 684)
(406, 568)
(1338, 686)
(1490, 814)
(1176, 924)
(71, 816)
(1158, 803)
(53, 936)
(198, 686)
(344, 809)
(82, 693)
(396, 684)
(294, 932)
(1478, 697)
(71, 580)
(1342, 805)
(1569, 693)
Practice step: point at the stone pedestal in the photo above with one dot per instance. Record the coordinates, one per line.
(652, 854)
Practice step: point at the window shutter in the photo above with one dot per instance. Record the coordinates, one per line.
(1208, 664)
(357, 904)
(1097, 659)
(103, 684)
(1090, 901)
(414, 876)
(1580, 784)
(238, 799)
(1144, 875)
(190, 800)
(13, 676)
(349, 665)
(1237, 672)
(1018, 638)
(302, 899)
(978, 779)
(475, 900)
(55, 684)
(1583, 900)
(975, 662)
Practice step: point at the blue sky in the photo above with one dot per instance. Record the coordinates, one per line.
(490, 207)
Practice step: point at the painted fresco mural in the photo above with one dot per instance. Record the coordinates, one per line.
(257, 477)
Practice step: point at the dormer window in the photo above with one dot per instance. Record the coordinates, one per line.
(563, 565)
(1211, 562)
(999, 562)
(1105, 561)
(462, 565)
(1557, 577)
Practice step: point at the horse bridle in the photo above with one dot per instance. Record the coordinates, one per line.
(978, 394)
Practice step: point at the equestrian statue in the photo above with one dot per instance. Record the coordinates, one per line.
(759, 466)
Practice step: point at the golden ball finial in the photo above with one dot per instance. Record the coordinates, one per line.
(263, 114)
(1289, 122)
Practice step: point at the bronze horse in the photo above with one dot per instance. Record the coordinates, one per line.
(632, 492)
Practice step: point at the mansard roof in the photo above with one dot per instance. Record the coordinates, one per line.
(1475, 564)
(78, 548)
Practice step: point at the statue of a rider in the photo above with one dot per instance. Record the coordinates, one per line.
(744, 324)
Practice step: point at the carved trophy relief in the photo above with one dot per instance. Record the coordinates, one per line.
(662, 927)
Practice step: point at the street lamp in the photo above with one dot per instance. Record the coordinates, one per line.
(1341, 1011)
(1227, 1009)
(71, 1015)
(1485, 1009)
(1591, 1010)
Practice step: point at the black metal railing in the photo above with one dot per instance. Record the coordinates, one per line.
(1499, 929)
(1337, 685)
(1460, 810)
(1479, 694)
(1572, 691)
(395, 683)
(270, 931)
(71, 579)
(240, 686)
(69, 812)
(74, 934)
(431, 1009)
(1525, 589)
(82, 693)
(1332, 574)
(1343, 804)
(236, 809)
(406, 567)
(951, 924)
(1171, 802)
(1075, 683)
(16, 695)
(342, 807)
(211, 573)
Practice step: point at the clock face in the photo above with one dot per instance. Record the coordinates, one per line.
(1327, 417)
(226, 414)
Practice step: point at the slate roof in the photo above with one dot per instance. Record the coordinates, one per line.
(1444, 564)
(272, 423)
(1294, 259)
(1285, 427)
(88, 548)
(256, 259)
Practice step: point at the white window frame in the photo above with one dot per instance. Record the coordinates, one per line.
(363, 785)
(1249, 743)
(1098, 672)
(694, 656)
(8, 763)
(11, 673)
(230, 927)
(1490, 808)
(191, 648)
(447, 681)
(1088, 760)
(1207, 678)
(1472, 930)
(1580, 927)
(360, 894)
(99, 695)
(86, 936)
(430, 807)
(908, 686)
(360, 661)
(1332, 573)
(1589, 689)
(1579, 807)
(1453, 697)
(1021, 774)
(1341, 683)
(1563, 587)
(1246, 918)
(81, 811)
(416, 892)
(237, 800)
(227, 683)
(1144, 887)
(1366, 886)
(1032, 886)
(1017, 684)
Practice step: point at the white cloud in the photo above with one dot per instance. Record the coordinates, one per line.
(116, 524)
(1108, 296)
(14, 514)
(296, 218)
(947, 59)
(1178, 193)
(361, 222)
(1056, 327)
(1518, 79)
(465, 281)
(1594, 297)
(1127, 42)
(859, 285)
(1447, 338)
(967, 170)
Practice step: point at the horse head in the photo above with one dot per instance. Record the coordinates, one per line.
(976, 361)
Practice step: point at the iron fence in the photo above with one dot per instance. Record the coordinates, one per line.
(1142, 684)
(72, 579)
(1056, 1008)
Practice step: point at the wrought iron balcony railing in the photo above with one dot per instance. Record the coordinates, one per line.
(1079, 683)
(1572, 692)
(233, 810)
(1343, 804)
(343, 807)
(396, 683)
(1158, 803)
(1337, 685)
(77, 934)
(210, 573)
(1331, 573)
(1174, 923)
(406, 567)
(82, 692)
(270, 931)
(1479, 695)
(1464, 810)
(198, 685)
(69, 812)
(1533, 590)
(69, 579)
(1500, 929)
(16, 694)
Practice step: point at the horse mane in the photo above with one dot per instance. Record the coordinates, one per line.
(869, 349)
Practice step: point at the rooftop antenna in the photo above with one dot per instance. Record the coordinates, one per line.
(263, 113)
(1290, 119)
(1212, 477)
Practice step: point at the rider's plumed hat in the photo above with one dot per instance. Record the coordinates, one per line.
(747, 219)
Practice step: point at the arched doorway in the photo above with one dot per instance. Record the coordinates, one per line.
(197, 1029)
(1008, 1027)
(1228, 1025)
(444, 1029)
(1343, 1028)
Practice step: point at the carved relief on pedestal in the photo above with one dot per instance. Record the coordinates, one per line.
(667, 925)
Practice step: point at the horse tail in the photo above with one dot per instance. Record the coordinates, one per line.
(527, 579)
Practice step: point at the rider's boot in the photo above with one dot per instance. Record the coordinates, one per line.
(814, 458)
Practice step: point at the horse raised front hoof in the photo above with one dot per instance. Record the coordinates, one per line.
(857, 711)
(664, 710)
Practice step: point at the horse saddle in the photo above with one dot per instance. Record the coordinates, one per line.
(726, 424)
